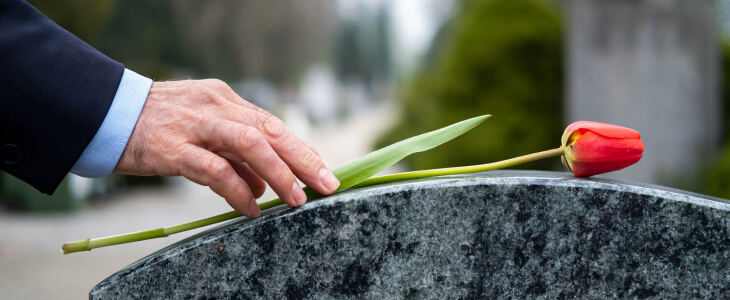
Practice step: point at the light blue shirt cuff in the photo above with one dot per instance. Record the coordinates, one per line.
(102, 154)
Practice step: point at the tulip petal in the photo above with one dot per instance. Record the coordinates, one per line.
(607, 130)
(572, 138)
(594, 153)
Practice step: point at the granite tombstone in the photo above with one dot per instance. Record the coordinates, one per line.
(489, 235)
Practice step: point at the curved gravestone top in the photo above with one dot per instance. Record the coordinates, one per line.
(488, 235)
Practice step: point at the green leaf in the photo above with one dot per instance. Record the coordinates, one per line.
(365, 167)
(349, 175)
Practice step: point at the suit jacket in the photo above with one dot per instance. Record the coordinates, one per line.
(55, 91)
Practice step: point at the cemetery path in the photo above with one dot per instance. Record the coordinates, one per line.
(31, 263)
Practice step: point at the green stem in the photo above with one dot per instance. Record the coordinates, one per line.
(460, 170)
(202, 222)
(88, 244)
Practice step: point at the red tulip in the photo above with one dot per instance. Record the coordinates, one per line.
(592, 148)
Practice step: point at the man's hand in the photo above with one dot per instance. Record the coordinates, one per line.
(204, 131)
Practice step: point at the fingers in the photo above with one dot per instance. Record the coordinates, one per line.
(205, 132)
(239, 142)
(304, 162)
(255, 183)
(269, 148)
(208, 169)
(290, 148)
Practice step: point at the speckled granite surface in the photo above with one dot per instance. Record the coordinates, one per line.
(489, 235)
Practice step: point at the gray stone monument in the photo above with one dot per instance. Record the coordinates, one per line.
(489, 235)
(651, 65)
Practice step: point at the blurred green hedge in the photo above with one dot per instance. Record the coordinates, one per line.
(499, 57)
(716, 175)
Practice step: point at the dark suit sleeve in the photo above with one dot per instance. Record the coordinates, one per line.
(55, 91)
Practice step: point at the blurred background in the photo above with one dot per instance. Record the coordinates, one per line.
(351, 76)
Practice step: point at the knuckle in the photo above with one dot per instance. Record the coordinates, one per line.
(205, 94)
(218, 169)
(273, 127)
(308, 160)
(218, 86)
(250, 138)
(217, 83)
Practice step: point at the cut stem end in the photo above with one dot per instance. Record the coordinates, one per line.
(76, 246)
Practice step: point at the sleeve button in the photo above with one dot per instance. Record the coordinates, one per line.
(10, 154)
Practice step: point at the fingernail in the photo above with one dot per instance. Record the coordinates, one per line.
(328, 179)
(253, 207)
(298, 194)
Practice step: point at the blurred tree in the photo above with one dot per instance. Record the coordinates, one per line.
(503, 57)
(254, 39)
(144, 36)
(83, 18)
(141, 34)
(362, 46)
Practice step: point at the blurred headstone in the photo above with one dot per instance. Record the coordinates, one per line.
(651, 65)
(318, 93)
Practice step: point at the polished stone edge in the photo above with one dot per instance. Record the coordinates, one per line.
(545, 178)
